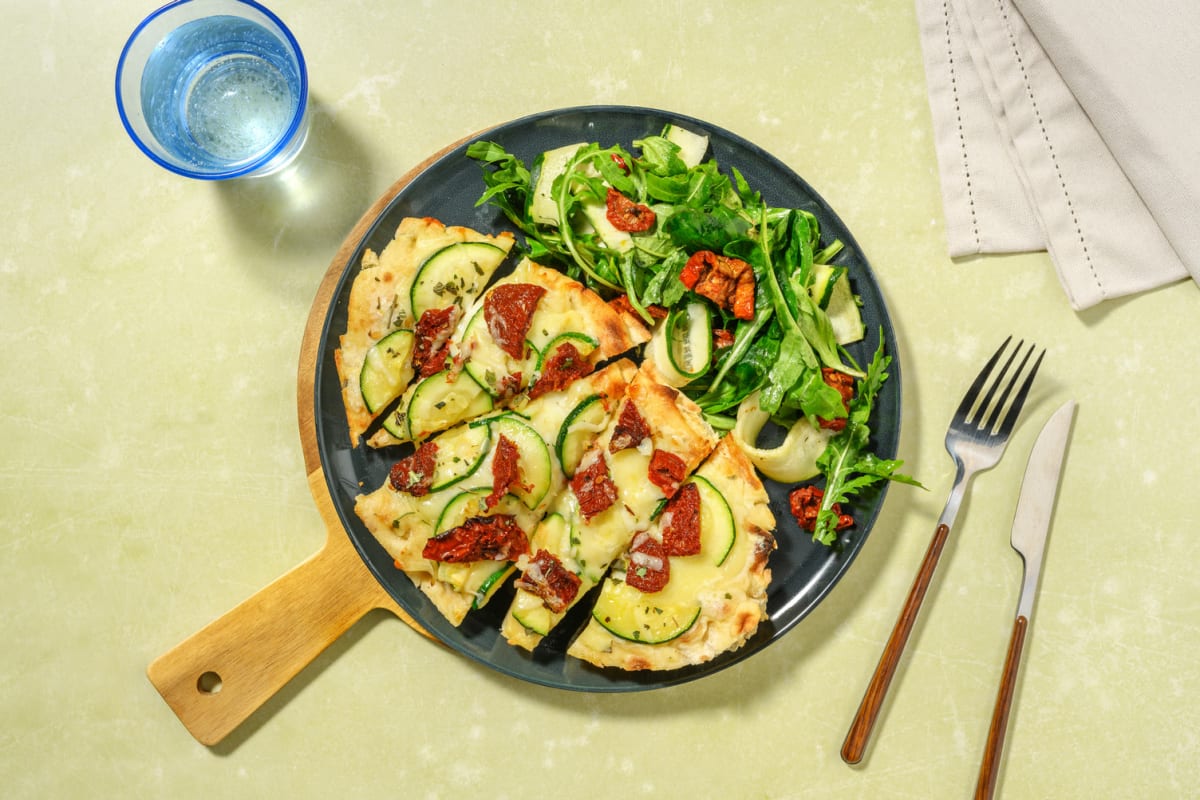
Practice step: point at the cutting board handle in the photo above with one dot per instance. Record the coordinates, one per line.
(220, 675)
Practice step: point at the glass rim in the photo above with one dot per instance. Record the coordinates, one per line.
(245, 169)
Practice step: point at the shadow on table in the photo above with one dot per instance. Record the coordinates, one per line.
(308, 206)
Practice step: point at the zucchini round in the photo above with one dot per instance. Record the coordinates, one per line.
(689, 339)
(580, 428)
(454, 275)
(386, 370)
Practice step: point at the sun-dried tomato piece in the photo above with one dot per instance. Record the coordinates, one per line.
(622, 305)
(722, 338)
(626, 215)
(631, 429)
(593, 487)
(508, 385)
(432, 346)
(547, 578)
(667, 471)
(495, 538)
(681, 522)
(727, 281)
(742, 304)
(564, 366)
(845, 385)
(805, 505)
(508, 310)
(506, 471)
(649, 569)
(414, 474)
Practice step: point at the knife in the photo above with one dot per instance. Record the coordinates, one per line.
(1031, 523)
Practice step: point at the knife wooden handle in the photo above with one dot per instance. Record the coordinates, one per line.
(868, 711)
(990, 769)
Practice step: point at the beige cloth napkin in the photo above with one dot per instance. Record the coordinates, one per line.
(1070, 126)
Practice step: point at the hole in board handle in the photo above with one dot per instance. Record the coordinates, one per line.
(209, 683)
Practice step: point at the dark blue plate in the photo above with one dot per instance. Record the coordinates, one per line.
(803, 572)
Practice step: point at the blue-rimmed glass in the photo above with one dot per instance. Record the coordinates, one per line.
(214, 89)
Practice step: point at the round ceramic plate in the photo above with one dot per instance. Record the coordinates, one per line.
(803, 572)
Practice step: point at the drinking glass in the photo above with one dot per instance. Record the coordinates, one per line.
(214, 89)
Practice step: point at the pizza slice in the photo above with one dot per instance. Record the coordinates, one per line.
(651, 444)
(458, 511)
(426, 275)
(534, 331)
(693, 585)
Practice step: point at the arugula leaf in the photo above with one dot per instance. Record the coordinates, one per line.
(847, 464)
(660, 156)
(508, 183)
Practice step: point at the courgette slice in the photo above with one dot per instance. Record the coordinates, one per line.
(689, 339)
(529, 610)
(580, 428)
(543, 209)
(462, 507)
(387, 369)
(646, 618)
(454, 275)
(442, 401)
(486, 362)
(692, 146)
(460, 452)
(491, 584)
(583, 343)
(844, 314)
(534, 465)
(478, 578)
(613, 237)
(555, 535)
(717, 528)
(792, 461)
(824, 276)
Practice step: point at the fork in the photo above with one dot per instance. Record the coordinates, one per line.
(976, 439)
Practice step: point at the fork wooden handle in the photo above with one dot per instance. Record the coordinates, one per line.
(990, 768)
(868, 711)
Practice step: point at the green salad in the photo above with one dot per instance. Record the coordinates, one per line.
(751, 315)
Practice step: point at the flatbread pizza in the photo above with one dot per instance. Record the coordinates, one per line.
(652, 443)
(693, 585)
(533, 331)
(427, 267)
(458, 511)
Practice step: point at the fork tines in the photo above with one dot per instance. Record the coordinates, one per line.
(977, 415)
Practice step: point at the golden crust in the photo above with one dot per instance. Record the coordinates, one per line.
(732, 601)
(379, 301)
(676, 423)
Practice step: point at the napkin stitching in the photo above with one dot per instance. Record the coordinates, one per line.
(1087, 256)
(962, 139)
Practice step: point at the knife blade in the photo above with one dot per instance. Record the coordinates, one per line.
(1031, 524)
(1039, 488)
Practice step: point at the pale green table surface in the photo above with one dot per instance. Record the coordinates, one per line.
(152, 476)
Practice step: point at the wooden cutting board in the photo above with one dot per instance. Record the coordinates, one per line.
(220, 675)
